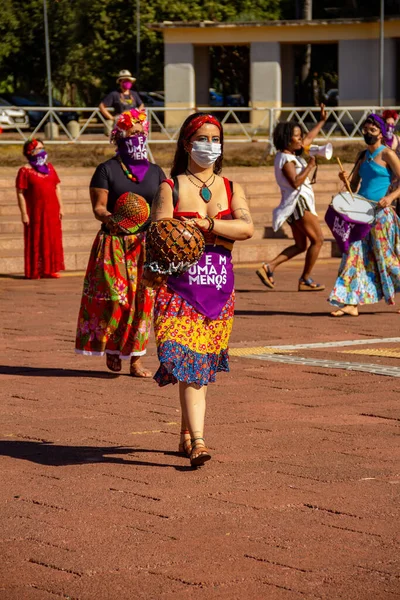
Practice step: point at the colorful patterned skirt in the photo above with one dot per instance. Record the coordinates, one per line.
(191, 347)
(371, 269)
(116, 308)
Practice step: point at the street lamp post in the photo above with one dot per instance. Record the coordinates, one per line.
(137, 38)
(381, 53)
(48, 64)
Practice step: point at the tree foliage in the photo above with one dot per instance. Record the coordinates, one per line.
(91, 40)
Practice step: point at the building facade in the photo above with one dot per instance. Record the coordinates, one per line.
(272, 66)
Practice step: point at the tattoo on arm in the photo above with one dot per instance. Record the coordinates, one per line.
(158, 200)
(219, 206)
(244, 215)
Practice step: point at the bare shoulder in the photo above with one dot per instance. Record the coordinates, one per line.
(388, 153)
(164, 188)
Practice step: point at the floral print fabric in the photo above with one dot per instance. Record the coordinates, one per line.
(116, 308)
(191, 347)
(371, 269)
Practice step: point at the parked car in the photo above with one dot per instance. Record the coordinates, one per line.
(215, 98)
(331, 98)
(35, 116)
(11, 117)
(152, 99)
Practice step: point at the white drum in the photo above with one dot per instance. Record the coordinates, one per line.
(354, 207)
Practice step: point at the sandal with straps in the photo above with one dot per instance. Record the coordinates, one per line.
(185, 447)
(266, 276)
(309, 285)
(113, 362)
(199, 454)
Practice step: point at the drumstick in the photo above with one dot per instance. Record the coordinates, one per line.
(346, 181)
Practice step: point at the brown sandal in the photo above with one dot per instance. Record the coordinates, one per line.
(137, 370)
(185, 447)
(266, 276)
(309, 285)
(200, 453)
(113, 362)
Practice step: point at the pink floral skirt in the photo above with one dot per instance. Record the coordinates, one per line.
(116, 307)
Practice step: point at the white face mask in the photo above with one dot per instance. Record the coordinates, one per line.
(205, 154)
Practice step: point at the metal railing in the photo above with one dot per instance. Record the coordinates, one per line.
(241, 124)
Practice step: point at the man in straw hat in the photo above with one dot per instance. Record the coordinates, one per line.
(121, 100)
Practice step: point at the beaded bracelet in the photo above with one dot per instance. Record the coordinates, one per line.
(210, 223)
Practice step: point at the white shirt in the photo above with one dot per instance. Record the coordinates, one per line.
(290, 195)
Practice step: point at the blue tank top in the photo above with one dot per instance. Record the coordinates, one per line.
(375, 179)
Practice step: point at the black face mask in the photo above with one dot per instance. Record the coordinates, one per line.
(370, 139)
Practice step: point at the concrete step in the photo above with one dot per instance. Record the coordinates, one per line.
(70, 176)
(75, 260)
(70, 207)
(263, 214)
(71, 240)
(271, 187)
(265, 231)
(12, 228)
(70, 223)
(253, 251)
(79, 192)
(73, 193)
(268, 203)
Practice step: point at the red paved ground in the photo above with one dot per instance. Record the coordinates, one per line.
(299, 501)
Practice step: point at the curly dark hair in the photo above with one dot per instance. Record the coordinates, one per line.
(283, 134)
(180, 162)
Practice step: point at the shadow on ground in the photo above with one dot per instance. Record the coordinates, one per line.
(47, 453)
(54, 372)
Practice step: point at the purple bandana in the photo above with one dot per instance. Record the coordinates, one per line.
(382, 126)
(208, 284)
(133, 153)
(38, 162)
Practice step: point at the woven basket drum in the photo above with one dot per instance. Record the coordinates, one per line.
(130, 213)
(172, 246)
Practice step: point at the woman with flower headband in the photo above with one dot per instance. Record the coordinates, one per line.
(371, 270)
(39, 200)
(392, 139)
(193, 312)
(116, 308)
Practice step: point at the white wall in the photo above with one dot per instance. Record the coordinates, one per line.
(359, 72)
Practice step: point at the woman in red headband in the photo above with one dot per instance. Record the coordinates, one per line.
(39, 200)
(193, 312)
(392, 140)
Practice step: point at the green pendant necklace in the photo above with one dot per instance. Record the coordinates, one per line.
(205, 192)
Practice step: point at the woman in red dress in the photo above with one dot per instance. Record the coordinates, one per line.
(39, 201)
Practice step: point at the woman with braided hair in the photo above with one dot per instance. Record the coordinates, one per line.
(193, 312)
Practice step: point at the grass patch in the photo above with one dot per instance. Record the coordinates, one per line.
(247, 154)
